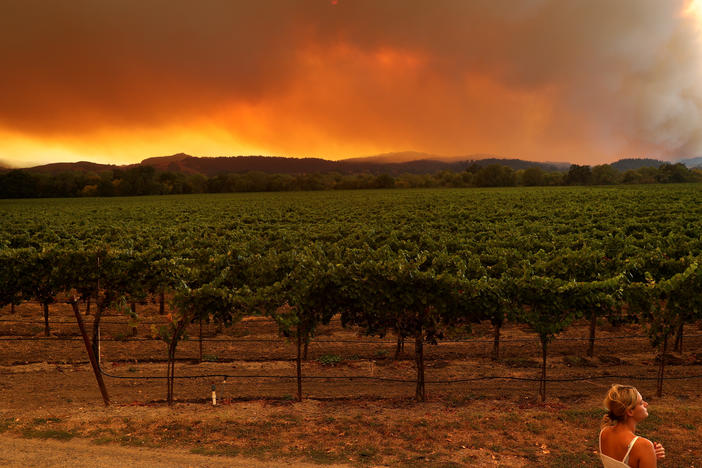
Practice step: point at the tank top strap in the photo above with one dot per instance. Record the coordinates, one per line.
(631, 446)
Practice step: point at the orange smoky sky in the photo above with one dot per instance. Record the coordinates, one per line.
(584, 81)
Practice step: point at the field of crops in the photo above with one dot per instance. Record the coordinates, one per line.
(498, 226)
(347, 300)
(478, 221)
(416, 265)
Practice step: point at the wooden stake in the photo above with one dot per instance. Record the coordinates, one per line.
(200, 340)
(299, 364)
(91, 356)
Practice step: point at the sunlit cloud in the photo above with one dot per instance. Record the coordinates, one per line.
(120, 81)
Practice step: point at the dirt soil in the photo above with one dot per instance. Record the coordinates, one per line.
(50, 405)
(21, 453)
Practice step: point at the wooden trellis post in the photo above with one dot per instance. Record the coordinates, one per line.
(91, 355)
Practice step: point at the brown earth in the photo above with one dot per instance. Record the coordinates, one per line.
(21, 453)
(48, 391)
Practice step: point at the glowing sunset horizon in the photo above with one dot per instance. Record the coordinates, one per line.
(121, 81)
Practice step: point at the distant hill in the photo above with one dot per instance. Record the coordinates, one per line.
(479, 159)
(82, 166)
(636, 163)
(213, 166)
(518, 164)
(692, 162)
(380, 164)
(163, 162)
(419, 166)
(373, 164)
(396, 163)
(225, 164)
(396, 157)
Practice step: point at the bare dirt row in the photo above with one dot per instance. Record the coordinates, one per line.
(48, 391)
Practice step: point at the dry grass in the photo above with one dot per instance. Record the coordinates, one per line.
(390, 432)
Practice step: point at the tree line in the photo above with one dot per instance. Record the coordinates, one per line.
(145, 180)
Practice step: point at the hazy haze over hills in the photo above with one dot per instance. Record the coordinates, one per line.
(692, 162)
(388, 163)
(391, 163)
(405, 156)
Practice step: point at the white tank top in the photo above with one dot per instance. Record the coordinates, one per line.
(610, 462)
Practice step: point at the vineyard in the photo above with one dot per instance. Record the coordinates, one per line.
(342, 285)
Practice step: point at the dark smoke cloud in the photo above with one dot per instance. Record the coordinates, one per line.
(534, 77)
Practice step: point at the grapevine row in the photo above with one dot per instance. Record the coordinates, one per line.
(411, 263)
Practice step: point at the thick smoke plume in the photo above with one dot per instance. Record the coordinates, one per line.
(579, 80)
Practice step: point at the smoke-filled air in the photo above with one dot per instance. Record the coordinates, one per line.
(584, 81)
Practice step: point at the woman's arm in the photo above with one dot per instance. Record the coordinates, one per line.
(645, 454)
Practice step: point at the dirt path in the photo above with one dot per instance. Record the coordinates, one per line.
(20, 453)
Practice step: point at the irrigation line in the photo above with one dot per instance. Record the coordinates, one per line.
(64, 322)
(258, 340)
(388, 379)
(271, 340)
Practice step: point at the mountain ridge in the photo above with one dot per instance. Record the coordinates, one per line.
(386, 163)
(213, 166)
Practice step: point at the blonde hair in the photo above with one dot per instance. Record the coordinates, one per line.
(619, 399)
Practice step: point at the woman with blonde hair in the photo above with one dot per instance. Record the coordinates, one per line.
(620, 447)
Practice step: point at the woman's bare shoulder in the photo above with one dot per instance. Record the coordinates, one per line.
(644, 452)
(643, 443)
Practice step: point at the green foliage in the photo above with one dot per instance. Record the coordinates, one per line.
(578, 175)
(58, 434)
(329, 359)
(144, 180)
(306, 296)
(494, 175)
(415, 263)
(12, 281)
(544, 306)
